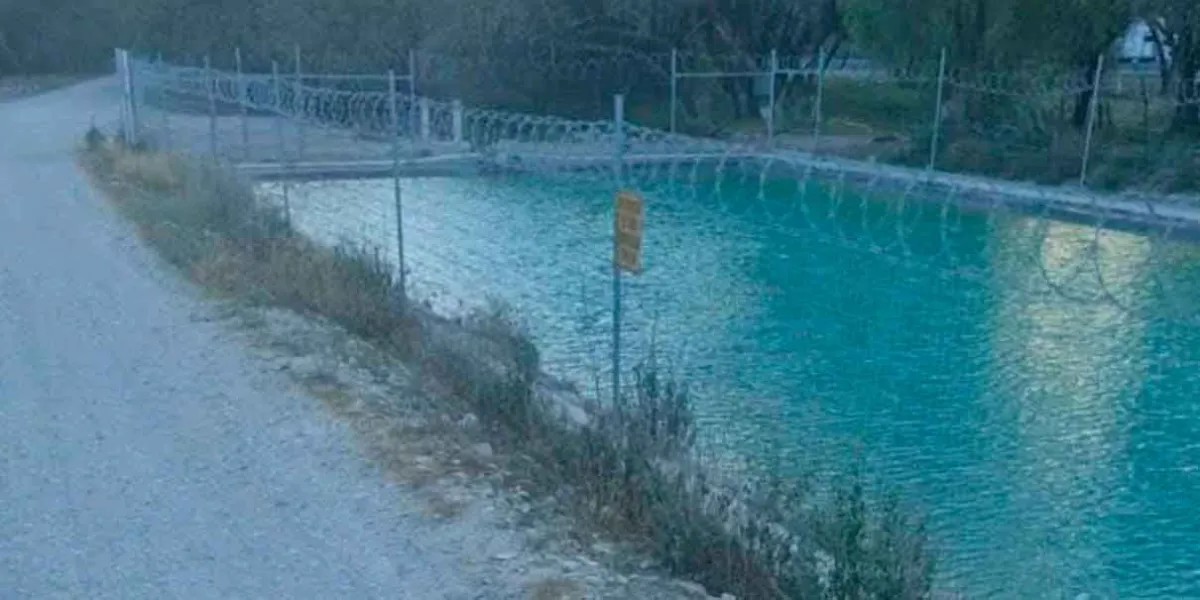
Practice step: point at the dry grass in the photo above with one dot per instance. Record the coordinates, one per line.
(213, 228)
(338, 398)
(632, 473)
(419, 451)
(440, 506)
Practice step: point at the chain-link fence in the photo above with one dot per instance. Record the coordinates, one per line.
(808, 292)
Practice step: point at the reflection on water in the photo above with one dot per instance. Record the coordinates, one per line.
(1063, 372)
(1030, 383)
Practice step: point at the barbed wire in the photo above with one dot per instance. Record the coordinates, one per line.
(887, 205)
(906, 219)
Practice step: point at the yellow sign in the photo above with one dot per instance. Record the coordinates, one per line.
(628, 232)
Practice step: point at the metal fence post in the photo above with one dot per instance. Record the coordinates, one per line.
(818, 107)
(935, 138)
(129, 97)
(210, 85)
(412, 94)
(426, 119)
(119, 66)
(243, 100)
(1093, 108)
(674, 85)
(771, 96)
(277, 96)
(126, 99)
(619, 174)
(157, 72)
(298, 105)
(396, 195)
(138, 95)
(456, 121)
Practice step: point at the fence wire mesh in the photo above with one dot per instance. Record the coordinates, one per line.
(302, 128)
(775, 271)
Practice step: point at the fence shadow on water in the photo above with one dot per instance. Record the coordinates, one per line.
(810, 297)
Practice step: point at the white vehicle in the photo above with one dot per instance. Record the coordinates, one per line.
(1139, 46)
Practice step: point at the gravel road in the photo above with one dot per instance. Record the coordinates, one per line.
(143, 454)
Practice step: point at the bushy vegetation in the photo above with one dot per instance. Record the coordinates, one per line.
(568, 58)
(631, 470)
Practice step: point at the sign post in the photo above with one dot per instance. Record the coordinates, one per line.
(626, 202)
(628, 232)
(627, 258)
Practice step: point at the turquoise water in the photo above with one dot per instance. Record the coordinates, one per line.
(1031, 384)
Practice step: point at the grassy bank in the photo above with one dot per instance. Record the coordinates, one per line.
(1025, 135)
(630, 471)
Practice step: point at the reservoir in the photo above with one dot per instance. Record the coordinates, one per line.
(1032, 385)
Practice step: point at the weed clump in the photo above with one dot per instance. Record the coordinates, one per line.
(633, 470)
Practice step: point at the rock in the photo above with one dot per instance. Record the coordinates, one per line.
(484, 450)
(302, 366)
(413, 423)
(468, 421)
(693, 588)
(728, 596)
(505, 556)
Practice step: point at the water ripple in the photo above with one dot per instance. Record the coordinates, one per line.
(1024, 381)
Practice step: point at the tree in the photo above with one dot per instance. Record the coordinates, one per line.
(994, 35)
(973, 32)
(1180, 21)
(1073, 34)
(750, 29)
(55, 35)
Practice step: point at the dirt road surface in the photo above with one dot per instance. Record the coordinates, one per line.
(142, 453)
